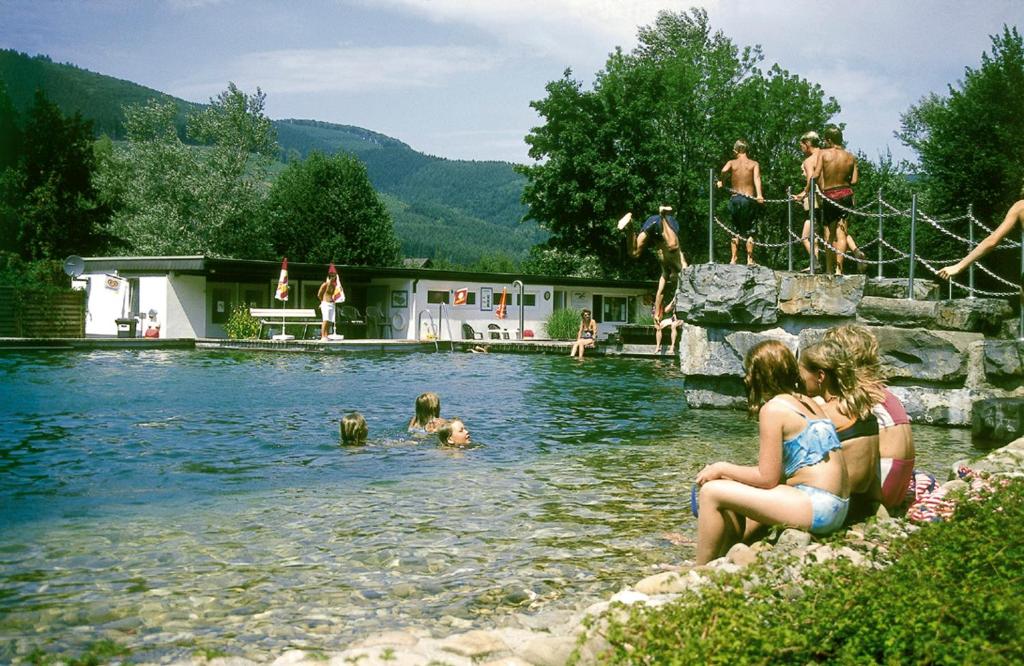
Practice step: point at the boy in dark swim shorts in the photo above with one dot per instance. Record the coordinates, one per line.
(663, 230)
(745, 181)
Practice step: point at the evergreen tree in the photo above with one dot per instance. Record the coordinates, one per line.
(50, 207)
(324, 209)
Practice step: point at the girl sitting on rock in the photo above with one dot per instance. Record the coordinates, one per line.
(895, 440)
(847, 393)
(799, 480)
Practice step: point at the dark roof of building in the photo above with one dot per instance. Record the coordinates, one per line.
(256, 270)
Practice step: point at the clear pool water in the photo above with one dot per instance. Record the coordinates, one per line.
(175, 501)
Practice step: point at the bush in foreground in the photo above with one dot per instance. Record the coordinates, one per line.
(952, 597)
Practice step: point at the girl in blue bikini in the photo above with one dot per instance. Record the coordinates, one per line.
(800, 478)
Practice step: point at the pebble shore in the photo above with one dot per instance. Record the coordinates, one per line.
(550, 639)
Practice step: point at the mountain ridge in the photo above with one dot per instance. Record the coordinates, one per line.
(455, 210)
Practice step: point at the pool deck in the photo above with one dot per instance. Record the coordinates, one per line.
(554, 347)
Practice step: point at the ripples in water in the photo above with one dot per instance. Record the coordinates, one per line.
(172, 500)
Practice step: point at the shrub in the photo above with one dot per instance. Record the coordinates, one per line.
(645, 318)
(241, 325)
(951, 597)
(563, 324)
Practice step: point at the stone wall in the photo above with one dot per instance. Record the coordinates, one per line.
(935, 353)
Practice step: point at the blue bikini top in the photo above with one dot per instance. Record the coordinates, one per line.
(811, 445)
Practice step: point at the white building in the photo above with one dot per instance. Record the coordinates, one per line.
(193, 297)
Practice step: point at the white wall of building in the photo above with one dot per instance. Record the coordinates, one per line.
(186, 307)
(107, 301)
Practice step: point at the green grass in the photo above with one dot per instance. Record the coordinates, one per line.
(953, 596)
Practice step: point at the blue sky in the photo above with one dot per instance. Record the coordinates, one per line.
(455, 77)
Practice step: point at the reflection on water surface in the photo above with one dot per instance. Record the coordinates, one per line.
(176, 500)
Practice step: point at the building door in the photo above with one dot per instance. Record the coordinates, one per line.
(376, 297)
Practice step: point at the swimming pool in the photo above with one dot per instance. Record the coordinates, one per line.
(179, 500)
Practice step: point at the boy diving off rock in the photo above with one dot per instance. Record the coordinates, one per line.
(662, 230)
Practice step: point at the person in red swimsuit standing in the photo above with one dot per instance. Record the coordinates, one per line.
(836, 174)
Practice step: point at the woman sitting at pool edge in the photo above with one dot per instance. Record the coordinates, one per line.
(800, 477)
(586, 336)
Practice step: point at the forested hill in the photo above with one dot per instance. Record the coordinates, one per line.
(97, 97)
(446, 209)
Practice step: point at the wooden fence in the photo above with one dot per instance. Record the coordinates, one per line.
(27, 313)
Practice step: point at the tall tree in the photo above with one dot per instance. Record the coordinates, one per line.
(50, 207)
(172, 198)
(656, 120)
(968, 142)
(325, 209)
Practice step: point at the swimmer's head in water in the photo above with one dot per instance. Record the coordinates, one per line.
(453, 433)
(353, 429)
(428, 406)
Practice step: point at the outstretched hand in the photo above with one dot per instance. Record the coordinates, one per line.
(949, 271)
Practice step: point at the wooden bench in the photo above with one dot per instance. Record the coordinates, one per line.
(284, 316)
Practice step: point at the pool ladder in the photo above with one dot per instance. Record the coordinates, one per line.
(436, 330)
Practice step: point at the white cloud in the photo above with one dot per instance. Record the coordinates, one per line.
(347, 70)
(573, 31)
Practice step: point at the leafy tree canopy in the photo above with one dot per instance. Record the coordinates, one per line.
(968, 143)
(325, 209)
(171, 198)
(656, 120)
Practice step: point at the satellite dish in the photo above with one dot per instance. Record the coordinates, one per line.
(74, 265)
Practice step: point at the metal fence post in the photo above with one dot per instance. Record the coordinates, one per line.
(913, 248)
(814, 242)
(711, 216)
(789, 224)
(970, 269)
(880, 236)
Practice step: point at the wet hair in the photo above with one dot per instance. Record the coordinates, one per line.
(856, 387)
(353, 429)
(428, 406)
(740, 146)
(771, 370)
(834, 135)
(811, 138)
(444, 430)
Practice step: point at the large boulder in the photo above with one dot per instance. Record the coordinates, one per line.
(1003, 362)
(897, 312)
(715, 353)
(820, 295)
(973, 314)
(935, 406)
(937, 357)
(727, 294)
(997, 421)
(924, 290)
(700, 355)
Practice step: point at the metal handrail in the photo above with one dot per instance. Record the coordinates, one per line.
(433, 328)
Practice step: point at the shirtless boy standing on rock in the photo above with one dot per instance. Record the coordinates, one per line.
(836, 174)
(745, 182)
(663, 229)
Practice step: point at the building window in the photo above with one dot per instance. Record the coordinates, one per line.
(615, 309)
(437, 297)
(529, 300)
(471, 298)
